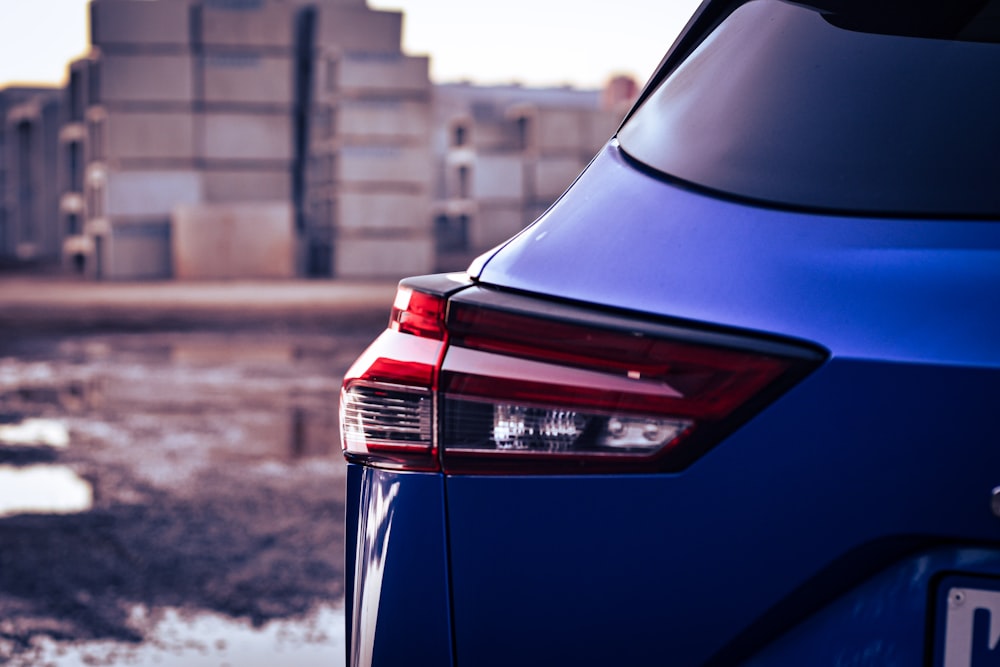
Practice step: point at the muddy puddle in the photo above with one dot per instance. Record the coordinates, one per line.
(180, 639)
(172, 498)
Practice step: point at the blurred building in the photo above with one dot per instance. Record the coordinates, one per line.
(368, 185)
(196, 130)
(505, 154)
(29, 191)
(216, 139)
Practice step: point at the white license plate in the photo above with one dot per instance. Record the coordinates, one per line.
(968, 632)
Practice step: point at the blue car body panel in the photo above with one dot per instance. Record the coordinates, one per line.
(397, 578)
(693, 562)
(688, 562)
(792, 242)
(741, 556)
(812, 535)
(882, 622)
(784, 536)
(876, 288)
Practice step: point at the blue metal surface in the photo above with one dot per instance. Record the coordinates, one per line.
(883, 623)
(846, 468)
(811, 536)
(397, 578)
(886, 449)
(866, 288)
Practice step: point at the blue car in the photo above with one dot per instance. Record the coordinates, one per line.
(735, 398)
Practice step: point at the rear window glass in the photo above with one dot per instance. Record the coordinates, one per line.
(869, 112)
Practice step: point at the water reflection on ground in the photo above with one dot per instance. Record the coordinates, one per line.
(183, 471)
(181, 639)
(35, 432)
(234, 396)
(43, 489)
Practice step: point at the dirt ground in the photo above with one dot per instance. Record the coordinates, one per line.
(216, 485)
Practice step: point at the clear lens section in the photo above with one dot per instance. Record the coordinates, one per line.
(640, 433)
(518, 427)
(503, 427)
(380, 415)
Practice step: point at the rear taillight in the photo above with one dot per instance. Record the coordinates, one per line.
(481, 381)
(387, 405)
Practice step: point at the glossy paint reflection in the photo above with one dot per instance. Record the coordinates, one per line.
(398, 608)
(378, 495)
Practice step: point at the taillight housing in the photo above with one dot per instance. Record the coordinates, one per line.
(473, 380)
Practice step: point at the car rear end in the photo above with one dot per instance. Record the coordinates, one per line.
(731, 400)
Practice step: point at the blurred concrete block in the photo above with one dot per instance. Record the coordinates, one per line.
(150, 193)
(248, 186)
(358, 73)
(495, 136)
(233, 241)
(600, 126)
(150, 136)
(383, 119)
(553, 175)
(247, 136)
(137, 25)
(391, 258)
(330, 3)
(360, 30)
(383, 211)
(247, 24)
(495, 223)
(247, 77)
(139, 250)
(498, 177)
(560, 130)
(383, 164)
(145, 78)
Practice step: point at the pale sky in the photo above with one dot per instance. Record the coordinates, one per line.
(535, 42)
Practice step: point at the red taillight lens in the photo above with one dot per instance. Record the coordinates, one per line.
(418, 313)
(519, 385)
(387, 401)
